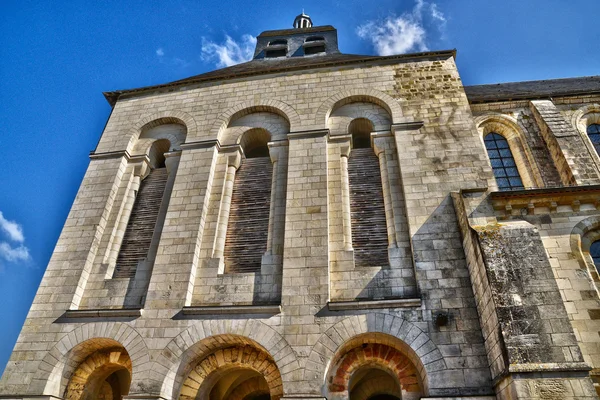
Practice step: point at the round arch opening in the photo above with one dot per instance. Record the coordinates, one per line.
(255, 143)
(103, 375)
(231, 367)
(376, 366)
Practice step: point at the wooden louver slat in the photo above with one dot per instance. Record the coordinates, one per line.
(142, 221)
(367, 209)
(248, 225)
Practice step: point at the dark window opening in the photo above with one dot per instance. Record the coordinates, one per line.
(360, 129)
(593, 132)
(314, 50)
(259, 151)
(276, 53)
(503, 163)
(595, 253)
(314, 39)
(278, 42)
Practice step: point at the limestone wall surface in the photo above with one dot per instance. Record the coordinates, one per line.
(310, 309)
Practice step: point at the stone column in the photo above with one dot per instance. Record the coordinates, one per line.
(140, 168)
(346, 213)
(278, 153)
(387, 198)
(233, 163)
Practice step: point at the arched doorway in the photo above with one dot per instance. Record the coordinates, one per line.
(375, 366)
(236, 369)
(104, 375)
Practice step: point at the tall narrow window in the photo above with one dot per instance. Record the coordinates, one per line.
(248, 224)
(144, 219)
(503, 162)
(593, 132)
(367, 209)
(595, 253)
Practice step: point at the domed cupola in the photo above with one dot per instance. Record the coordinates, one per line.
(302, 21)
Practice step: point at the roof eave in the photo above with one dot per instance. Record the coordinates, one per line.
(113, 97)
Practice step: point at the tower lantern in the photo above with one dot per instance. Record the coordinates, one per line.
(302, 21)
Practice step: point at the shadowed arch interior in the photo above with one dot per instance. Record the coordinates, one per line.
(234, 368)
(255, 143)
(105, 374)
(375, 364)
(360, 129)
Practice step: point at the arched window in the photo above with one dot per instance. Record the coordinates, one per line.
(503, 162)
(593, 132)
(145, 221)
(367, 208)
(248, 225)
(595, 253)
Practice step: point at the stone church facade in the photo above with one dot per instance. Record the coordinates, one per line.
(317, 225)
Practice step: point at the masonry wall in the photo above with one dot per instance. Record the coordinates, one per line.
(432, 148)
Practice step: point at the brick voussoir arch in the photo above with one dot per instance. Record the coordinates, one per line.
(248, 107)
(165, 117)
(55, 369)
(368, 95)
(178, 357)
(422, 352)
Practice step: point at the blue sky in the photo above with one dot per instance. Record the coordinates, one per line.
(57, 57)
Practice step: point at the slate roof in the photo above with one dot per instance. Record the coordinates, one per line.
(269, 66)
(533, 89)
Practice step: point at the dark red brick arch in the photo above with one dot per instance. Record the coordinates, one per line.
(376, 355)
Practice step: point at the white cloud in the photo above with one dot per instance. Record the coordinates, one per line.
(12, 229)
(397, 35)
(13, 254)
(229, 53)
(160, 52)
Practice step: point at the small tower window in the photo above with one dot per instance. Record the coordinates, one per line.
(276, 48)
(314, 45)
(503, 162)
(593, 132)
(278, 42)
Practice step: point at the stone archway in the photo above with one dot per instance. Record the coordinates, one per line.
(104, 375)
(235, 371)
(371, 365)
(203, 338)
